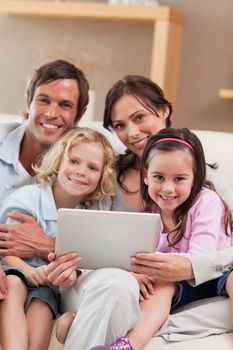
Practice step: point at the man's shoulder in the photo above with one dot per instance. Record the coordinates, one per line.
(6, 128)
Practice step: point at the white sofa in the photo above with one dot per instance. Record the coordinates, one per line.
(218, 148)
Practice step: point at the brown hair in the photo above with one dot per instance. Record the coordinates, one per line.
(199, 172)
(150, 95)
(59, 69)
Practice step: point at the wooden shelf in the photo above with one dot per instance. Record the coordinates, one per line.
(167, 28)
(226, 93)
(101, 11)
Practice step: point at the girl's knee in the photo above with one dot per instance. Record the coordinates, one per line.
(15, 282)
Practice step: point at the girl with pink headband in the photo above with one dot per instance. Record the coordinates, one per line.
(193, 219)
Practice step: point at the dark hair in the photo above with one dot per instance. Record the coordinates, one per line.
(150, 95)
(55, 70)
(199, 173)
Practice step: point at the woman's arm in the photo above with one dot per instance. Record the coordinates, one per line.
(172, 268)
(163, 267)
(210, 265)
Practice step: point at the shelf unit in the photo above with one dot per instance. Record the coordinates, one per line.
(167, 29)
(226, 93)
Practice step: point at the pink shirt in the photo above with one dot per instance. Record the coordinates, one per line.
(205, 229)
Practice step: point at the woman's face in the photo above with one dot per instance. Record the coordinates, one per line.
(134, 124)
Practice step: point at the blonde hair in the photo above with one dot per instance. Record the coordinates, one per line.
(48, 166)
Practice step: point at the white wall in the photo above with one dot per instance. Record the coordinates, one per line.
(106, 51)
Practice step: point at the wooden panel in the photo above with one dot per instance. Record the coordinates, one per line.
(226, 93)
(89, 10)
(167, 23)
(165, 60)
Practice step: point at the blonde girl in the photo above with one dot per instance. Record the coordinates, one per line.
(77, 171)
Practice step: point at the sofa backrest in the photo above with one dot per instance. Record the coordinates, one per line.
(218, 146)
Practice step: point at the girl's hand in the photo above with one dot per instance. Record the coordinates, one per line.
(37, 275)
(3, 285)
(146, 285)
(62, 270)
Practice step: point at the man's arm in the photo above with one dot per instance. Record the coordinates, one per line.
(24, 240)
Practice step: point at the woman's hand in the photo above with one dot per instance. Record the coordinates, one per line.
(62, 270)
(163, 267)
(3, 285)
(146, 285)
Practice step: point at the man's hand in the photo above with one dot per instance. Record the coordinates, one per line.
(24, 240)
(3, 285)
(62, 270)
(163, 267)
(146, 285)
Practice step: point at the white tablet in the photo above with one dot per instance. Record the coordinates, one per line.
(105, 238)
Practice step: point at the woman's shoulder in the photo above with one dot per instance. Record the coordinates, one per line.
(104, 203)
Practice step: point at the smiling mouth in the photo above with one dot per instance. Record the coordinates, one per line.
(167, 198)
(50, 126)
(77, 182)
(140, 143)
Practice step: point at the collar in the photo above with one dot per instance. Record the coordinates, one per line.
(10, 147)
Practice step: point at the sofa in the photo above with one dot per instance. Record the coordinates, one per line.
(180, 332)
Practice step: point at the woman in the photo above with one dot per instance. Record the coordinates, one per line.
(135, 108)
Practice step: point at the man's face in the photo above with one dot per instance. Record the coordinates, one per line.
(52, 110)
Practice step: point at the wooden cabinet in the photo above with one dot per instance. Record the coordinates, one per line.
(167, 27)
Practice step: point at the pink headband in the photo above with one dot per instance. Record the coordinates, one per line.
(175, 140)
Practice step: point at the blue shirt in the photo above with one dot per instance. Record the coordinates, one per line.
(36, 200)
(13, 175)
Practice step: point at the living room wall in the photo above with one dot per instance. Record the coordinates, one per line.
(106, 51)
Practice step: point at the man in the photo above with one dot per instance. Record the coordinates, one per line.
(56, 98)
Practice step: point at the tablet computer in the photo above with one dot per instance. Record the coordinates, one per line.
(105, 238)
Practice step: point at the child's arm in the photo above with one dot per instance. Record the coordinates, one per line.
(3, 285)
(36, 275)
